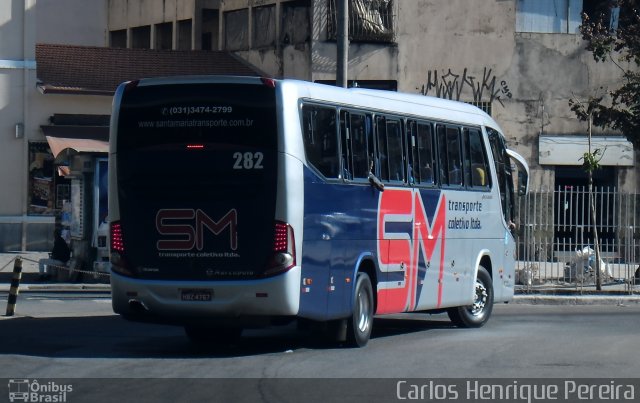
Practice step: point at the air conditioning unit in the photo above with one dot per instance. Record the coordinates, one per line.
(82, 163)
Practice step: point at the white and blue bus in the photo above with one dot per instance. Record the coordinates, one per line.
(241, 201)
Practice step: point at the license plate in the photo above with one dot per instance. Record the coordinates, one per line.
(196, 295)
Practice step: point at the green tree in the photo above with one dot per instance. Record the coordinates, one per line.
(590, 162)
(619, 45)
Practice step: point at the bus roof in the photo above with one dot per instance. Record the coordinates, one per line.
(426, 107)
(418, 105)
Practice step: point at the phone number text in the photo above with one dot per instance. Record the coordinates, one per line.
(195, 110)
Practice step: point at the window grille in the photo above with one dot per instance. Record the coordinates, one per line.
(369, 21)
(483, 105)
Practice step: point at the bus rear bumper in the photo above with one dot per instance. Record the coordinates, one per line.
(188, 302)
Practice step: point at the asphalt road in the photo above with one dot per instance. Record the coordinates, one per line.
(77, 336)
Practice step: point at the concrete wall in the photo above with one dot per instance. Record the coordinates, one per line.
(124, 14)
(280, 60)
(72, 22)
(367, 61)
(472, 53)
(291, 58)
(16, 72)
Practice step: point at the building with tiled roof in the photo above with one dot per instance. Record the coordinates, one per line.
(56, 85)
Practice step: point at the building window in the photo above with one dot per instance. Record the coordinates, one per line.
(295, 22)
(264, 27)
(118, 39)
(164, 36)
(608, 10)
(141, 37)
(184, 35)
(236, 29)
(210, 25)
(548, 16)
(369, 21)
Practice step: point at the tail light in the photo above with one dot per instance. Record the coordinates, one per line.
(284, 250)
(116, 237)
(118, 262)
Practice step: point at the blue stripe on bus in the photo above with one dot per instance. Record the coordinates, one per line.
(340, 227)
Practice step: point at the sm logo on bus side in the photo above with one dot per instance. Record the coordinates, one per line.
(185, 228)
(410, 231)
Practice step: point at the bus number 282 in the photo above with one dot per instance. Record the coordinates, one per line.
(248, 160)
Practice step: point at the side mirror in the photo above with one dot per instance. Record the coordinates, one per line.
(523, 172)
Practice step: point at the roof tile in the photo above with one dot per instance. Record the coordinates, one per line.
(98, 70)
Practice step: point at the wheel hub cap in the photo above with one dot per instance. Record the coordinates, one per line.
(480, 299)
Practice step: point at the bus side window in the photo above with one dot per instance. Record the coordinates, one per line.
(320, 139)
(454, 157)
(476, 155)
(383, 154)
(413, 165)
(361, 147)
(424, 146)
(371, 150)
(503, 173)
(345, 142)
(449, 156)
(442, 154)
(395, 149)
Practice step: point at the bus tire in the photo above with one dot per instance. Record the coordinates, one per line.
(478, 313)
(361, 321)
(212, 335)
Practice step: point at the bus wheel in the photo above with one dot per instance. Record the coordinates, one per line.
(212, 335)
(361, 321)
(476, 314)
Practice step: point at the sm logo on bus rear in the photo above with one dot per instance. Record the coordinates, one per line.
(185, 229)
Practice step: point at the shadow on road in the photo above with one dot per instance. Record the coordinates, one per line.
(113, 337)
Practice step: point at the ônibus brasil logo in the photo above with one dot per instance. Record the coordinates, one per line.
(185, 228)
(25, 390)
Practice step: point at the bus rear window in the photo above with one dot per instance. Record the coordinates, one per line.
(198, 114)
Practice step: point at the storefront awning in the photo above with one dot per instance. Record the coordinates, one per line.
(569, 150)
(59, 144)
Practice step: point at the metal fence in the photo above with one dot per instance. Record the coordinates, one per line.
(556, 243)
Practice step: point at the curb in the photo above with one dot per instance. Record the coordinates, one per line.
(28, 288)
(577, 299)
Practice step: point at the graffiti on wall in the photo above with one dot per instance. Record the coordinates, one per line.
(454, 86)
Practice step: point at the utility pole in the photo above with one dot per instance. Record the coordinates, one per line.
(342, 41)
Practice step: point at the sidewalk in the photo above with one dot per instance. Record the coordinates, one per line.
(549, 287)
(30, 281)
(615, 294)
